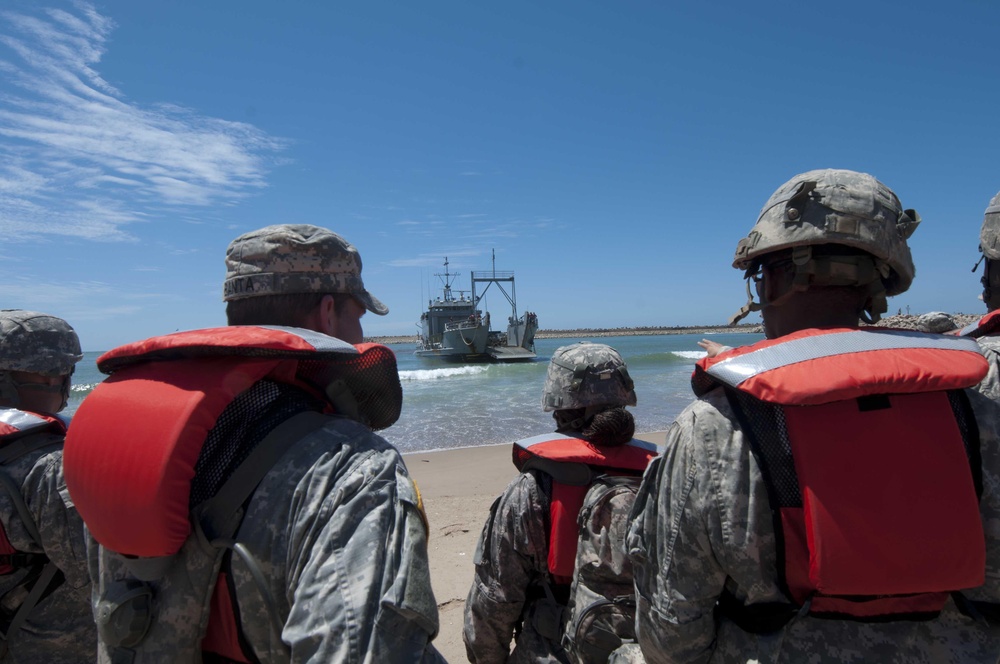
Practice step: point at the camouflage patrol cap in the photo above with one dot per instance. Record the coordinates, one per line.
(989, 236)
(587, 374)
(37, 343)
(295, 258)
(834, 206)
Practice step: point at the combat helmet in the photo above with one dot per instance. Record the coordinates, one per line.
(834, 207)
(989, 245)
(989, 235)
(585, 375)
(36, 343)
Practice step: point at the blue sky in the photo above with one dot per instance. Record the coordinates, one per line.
(612, 154)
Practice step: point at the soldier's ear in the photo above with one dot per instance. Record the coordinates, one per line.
(325, 316)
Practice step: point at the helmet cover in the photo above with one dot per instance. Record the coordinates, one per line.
(587, 374)
(37, 343)
(833, 206)
(989, 236)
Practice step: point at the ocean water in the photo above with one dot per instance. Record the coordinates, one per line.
(447, 406)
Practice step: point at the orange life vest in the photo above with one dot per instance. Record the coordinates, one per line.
(130, 455)
(571, 463)
(16, 426)
(870, 455)
(22, 432)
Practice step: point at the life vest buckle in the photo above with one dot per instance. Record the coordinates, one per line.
(125, 613)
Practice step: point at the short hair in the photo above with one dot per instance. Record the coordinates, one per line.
(291, 309)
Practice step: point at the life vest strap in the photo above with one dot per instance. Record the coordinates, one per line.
(14, 492)
(988, 612)
(760, 618)
(21, 560)
(215, 515)
(49, 578)
(219, 519)
(16, 447)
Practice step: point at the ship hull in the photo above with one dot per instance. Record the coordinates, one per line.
(455, 329)
(478, 344)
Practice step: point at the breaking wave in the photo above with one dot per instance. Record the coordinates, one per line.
(437, 374)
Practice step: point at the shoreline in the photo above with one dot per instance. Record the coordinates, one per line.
(595, 333)
(899, 320)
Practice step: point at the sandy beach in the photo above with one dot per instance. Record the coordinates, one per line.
(458, 487)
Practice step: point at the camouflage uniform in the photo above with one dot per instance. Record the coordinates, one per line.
(989, 245)
(336, 525)
(702, 521)
(990, 347)
(337, 530)
(507, 597)
(513, 593)
(61, 627)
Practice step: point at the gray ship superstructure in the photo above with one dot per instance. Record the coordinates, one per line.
(455, 328)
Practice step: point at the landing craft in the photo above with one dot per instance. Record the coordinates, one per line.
(455, 329)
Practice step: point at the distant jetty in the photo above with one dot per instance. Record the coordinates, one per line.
(904, 321)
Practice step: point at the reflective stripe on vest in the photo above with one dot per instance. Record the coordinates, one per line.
(14, 421)
(821, 366)
(634, 454)
(254, 340)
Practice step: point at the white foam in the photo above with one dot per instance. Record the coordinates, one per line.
(689, 354)
(436, 374)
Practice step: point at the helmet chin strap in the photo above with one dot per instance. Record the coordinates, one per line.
(828, 271)
(8, 391)
(62, 389)
(747, 308)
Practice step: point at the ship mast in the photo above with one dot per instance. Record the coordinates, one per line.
(447, 278)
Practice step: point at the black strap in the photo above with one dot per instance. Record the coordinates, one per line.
(47, 581)
(988, 612)
(48, 577)
(15, 448)
(20, 560)
(762, 618)
(217, 514)
(220, 516)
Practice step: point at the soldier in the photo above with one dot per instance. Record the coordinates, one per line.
(525, 585)
(987, 329)
(811, 499)
(44, 587)
(306, 540)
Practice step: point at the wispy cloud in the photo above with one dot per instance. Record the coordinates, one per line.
(435, 260)
(79, 159)
(76, 301)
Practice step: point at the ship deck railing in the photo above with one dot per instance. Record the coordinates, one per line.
(462, 325)
(493, 275)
